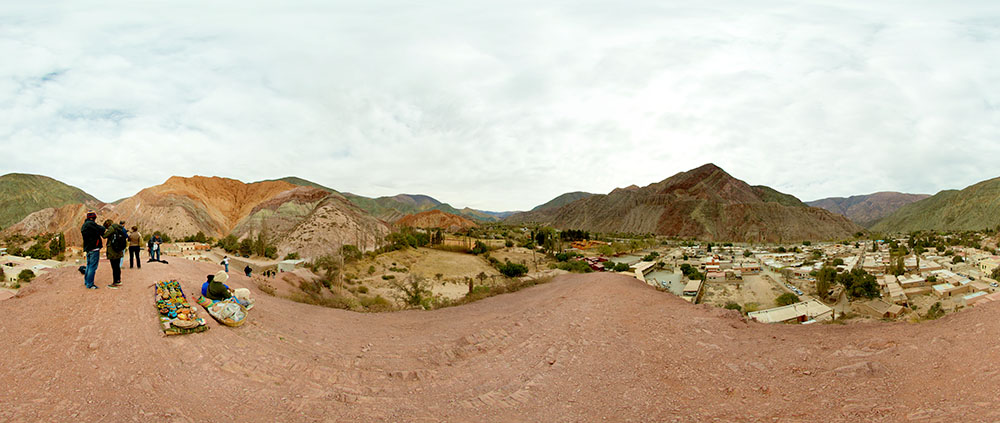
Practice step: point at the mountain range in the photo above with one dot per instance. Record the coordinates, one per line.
(308, 218)
(975, 207)
(703, 203)
(21, 194)
(867, 210)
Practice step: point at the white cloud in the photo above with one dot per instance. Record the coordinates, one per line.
(502, 105)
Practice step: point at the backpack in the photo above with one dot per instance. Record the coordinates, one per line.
(118, 241)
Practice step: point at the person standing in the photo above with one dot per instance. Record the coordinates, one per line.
(149, 244)
(134, 241)
(121, 263)
(156, 246)
(247, 270)
(116, 250)
(225, 262)
(91, 232)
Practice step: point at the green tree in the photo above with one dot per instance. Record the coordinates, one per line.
(786, 299)
(25, 276)
(246, 247)
(824, 278)
(412, 291)
(292, 256)
(230, 244)
(58, 245)
(838, 261)
(39, 251)
(350, 253)
(479, 248)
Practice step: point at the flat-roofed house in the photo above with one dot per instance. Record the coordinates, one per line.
(879, 309)
(800, 312)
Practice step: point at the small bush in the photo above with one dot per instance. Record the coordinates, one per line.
(508, 243)
(512, 270)
(376, 304)
(934, 312)
(732, 305)
(575, 266)
(751, 307)
(371, 269)
(292, 256)
(479, 248)
(388, 277)
(25, 276)
(363, 289)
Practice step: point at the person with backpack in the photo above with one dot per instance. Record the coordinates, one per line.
(116, 250)
(134, 240)
(92, 244)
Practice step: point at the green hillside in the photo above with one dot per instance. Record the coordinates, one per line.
(973, 208)
(22, 194)
(301, 182)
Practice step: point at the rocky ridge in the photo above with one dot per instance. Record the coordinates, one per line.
(704, 203)
(867, 210)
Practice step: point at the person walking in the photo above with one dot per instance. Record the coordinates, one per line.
(247, 270)
(134, 242)
(225, 262)
(116, 250)
(92, 244)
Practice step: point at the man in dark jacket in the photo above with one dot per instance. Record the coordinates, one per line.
(114, 256)
(91, 232)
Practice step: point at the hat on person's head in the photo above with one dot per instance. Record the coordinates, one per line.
(221, 276)
(91, 215)
(121, 222)
(210, 277)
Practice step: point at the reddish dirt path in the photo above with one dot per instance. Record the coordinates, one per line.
(582, 348)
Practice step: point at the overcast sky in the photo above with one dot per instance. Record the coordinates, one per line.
(502, 105)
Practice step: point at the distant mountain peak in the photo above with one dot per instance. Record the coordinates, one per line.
(705, 203)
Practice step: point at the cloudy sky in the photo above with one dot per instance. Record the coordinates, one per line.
(502, 105)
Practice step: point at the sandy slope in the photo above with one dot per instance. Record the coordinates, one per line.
(582, 348)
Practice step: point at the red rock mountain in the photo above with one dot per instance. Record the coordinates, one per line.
(436, 219)
(306, 220)
(703, 203)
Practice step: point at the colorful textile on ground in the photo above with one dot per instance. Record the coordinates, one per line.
(177, 317)
(228, 312)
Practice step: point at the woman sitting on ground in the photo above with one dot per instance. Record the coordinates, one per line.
(215, 288)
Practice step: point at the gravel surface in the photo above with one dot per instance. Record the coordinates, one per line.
(582, 348)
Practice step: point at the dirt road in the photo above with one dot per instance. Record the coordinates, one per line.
(581, 348)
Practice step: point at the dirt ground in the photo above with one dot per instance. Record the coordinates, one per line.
(594, 347)
(754, 289)
(425, 262)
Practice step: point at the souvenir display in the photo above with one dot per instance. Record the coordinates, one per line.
(176, 315)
